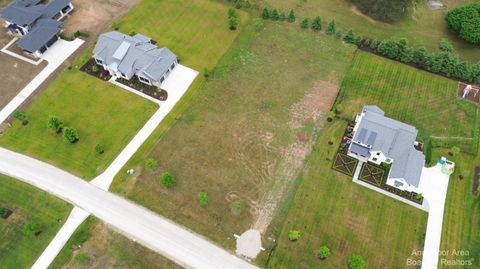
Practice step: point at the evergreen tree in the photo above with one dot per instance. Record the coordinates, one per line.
(275, 15)
(291, 16)
(332, 27)
(317, 24)
(304, 23)
(265, 14)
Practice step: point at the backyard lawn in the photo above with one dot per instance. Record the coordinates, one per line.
(416, 97)
(33, 211)
(329, 209)
(423, 27)
(245, 136)
(101, 112)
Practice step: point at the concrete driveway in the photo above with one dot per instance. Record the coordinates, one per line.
(433, 186)
(139, 224)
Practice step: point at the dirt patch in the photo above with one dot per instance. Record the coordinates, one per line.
(95, 16)
(315, 103)
(473, 95)
(311, 109)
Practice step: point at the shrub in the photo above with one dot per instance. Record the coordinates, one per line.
(167, 180)
(55, 124)
(238, 206)
(99, 149)
(94, 68)
(374, 44)
(203, 199)
(265, 14)
(238, 4)
(356, 262)
(233, 23)
(20, 115)
(317, 24)
(151, 164)
(258, 23)
(338, 35)
(304, 23)
(445, 45)
(324, 252)
(81, 33)
(465, 22)
(291, 16)
(293, 235)
(231, 13)
(420, 55)
(331, 28)
(32, 228)
(3, 212)
(455, 150)
(70, 134)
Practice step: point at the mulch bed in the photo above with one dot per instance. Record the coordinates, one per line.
(476, 181)
(372, 174)
(345, 164)
(151, 91)
(471, 96)
(92, 68)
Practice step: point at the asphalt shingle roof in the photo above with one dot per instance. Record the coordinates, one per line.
(45, 30)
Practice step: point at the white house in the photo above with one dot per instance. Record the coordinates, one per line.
(379, 139)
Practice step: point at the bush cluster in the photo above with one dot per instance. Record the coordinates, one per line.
(465, 21)
(278, 15)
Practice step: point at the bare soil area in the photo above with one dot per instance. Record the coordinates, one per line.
(95, 16)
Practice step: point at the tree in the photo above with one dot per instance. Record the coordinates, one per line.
(168, 181)
(465, 21)
(55, 124)
(258, 23)
(99, 149)
(203, 199)
(233, 23)
(374, 44)
(291, 16)
(384, 10)
(282, 16)
(275, 15)
(70, 134)
(265, 14)
(324, 252)
(356, 262)
(317, 24)
(232, 13)
(445, 45)
(238, 4)
(349, 37)
(151, 164)
(331, 28)
(304, 23)
(293, 235)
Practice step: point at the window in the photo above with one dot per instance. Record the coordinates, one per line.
(173, 65)
(99, 61)
(144, 80)
(374, 159)
(162, 79)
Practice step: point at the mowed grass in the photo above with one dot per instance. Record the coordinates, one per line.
(101, 112)
(423, 27)
(196, 30)
(329, 209)
(416, 97)
(232, 140)
(102, 247)
(19, 249)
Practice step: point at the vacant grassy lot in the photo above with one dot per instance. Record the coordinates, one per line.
(196, 30)
(422, 27)
(246, 133)
(419, 98)
(19, 247)
(101, 248)
(329, 209)
(101, 112)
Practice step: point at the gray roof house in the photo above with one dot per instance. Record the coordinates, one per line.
(127, 56)
(38, 24)
(381, 139)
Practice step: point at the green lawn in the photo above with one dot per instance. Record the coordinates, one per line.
(329, 209)
(101, 112)
(416, 97)
(18, 248)
(422, 27)
(196, 30)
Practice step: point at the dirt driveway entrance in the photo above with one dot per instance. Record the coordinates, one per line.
(95, 16)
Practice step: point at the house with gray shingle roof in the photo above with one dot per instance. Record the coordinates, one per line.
(380, 139)
(127, 56)
(36, 23)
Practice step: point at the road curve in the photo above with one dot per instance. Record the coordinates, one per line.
(138, 223)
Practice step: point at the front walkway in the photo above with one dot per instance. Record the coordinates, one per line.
(55, 56)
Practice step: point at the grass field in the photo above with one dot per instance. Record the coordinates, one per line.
(101, 248)
(416, 97)
(19, 248)
(329, 209)
(422, 26)
(196, 30)
(101, 112)
(235, 140)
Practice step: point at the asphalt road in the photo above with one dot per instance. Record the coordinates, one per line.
(139, 224)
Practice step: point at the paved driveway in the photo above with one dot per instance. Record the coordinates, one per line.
(433, 186)
(147, 228)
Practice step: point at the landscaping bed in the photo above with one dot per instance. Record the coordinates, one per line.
(345, 164)
(92, 68)
(476, 181)
(149, 90)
